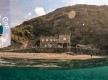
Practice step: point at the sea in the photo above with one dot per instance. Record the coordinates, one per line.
(33, 73)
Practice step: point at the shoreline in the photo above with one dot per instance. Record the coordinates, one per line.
(47, 56)
(48, 60)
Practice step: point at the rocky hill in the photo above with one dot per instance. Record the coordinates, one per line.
(88, 24)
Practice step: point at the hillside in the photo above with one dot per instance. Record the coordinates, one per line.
(88, 24)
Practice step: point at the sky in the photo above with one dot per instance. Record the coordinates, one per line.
(22, 10)
(4, 5)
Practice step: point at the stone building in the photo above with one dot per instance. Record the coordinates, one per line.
(60, 41)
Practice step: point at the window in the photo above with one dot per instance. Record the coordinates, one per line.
(51, 40)
(45, 45)
(54, 39)
(64, 39)
(42, 39)
(46, 39)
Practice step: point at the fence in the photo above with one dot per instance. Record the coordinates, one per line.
(58, 50)
(46, 50)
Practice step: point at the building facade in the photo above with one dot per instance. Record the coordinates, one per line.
(60, 41)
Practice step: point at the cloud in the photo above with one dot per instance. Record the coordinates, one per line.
(29, 14)
(40, 11)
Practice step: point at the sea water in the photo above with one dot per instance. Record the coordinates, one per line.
(19, 73)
